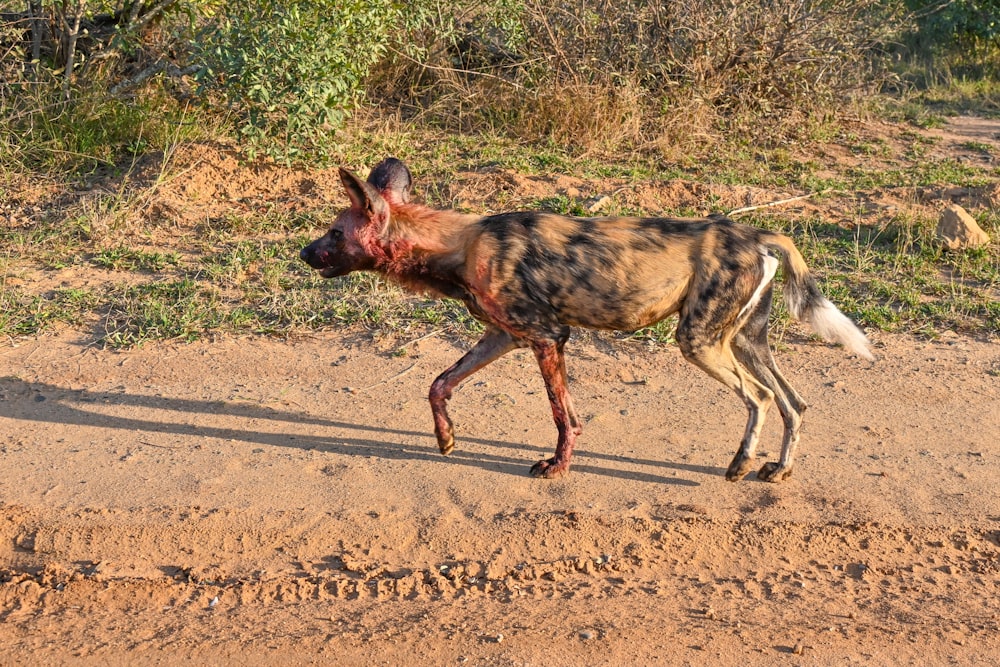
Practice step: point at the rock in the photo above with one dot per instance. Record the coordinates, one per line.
(958, 230)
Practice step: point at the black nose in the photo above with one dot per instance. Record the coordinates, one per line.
(304, 254)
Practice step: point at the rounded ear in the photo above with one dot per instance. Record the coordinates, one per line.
(392, 179)
(365, 197)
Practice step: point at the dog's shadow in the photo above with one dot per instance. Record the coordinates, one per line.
(69, 406)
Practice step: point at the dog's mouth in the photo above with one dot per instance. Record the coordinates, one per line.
(329, 272)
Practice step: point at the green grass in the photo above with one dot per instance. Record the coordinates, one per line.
(897, 278)
(94, 136)
(26, 314)
(979, 146)
(934, 98)
(892, 278)
(121, 258)
(240, 273)
(169, 310)
(930, 172)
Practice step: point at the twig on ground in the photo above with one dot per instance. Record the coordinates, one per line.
(746, 209)
(387, 380)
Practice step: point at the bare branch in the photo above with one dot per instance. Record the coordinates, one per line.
(171, 69)
(72, 35)
(772, 204)
(453, 69)
(148, 14)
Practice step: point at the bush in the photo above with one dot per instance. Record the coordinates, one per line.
(57, 42)
(596, 75)
(292, 69)
(960, 36)
(60, 58)
(606, 73)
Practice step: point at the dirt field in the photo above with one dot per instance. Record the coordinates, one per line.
(255, 501)
(284, 503)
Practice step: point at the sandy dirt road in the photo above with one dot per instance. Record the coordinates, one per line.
(251, 501)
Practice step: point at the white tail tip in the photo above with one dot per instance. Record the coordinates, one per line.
(832, 325)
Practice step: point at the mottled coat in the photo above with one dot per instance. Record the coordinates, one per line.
(531, 276)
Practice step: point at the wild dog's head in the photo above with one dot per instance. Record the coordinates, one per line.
(355, 240)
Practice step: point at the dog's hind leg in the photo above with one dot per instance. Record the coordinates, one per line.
(552, 363)
(494, 344)
(753, 352)
(711, 351)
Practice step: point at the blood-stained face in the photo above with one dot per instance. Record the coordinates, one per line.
(353, 242)
(340, 251)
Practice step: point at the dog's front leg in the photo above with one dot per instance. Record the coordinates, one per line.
(494, 344)
(552, 363)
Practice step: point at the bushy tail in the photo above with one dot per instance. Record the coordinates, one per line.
(807, 304)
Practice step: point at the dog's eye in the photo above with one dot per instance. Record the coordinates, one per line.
(336, 234)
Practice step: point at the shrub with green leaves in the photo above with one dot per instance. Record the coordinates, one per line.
(961, 34)
(292, 69)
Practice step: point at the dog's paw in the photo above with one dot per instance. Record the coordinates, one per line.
(773, 472)
(444, 431)
(738, 469)
(550, 469)
(447, 444)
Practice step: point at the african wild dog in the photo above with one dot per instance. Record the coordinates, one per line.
(531, 276)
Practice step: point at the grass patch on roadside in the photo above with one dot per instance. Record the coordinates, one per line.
(169, 310)
(189, 309)
(26, 314)
(240, 273)
(892, 277)
(123, 258)
(897, 278)
(85, 245)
